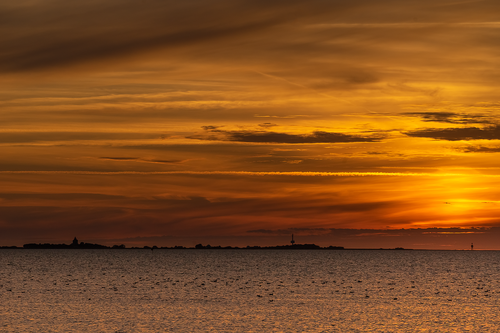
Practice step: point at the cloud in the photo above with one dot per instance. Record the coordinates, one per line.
(113, 30)
(276, 137)
(137, 159)
(292, 161)
(119, 158)
(204, 150)
(480, 149)
(31, 137)
(336, 68)
(267, 125)
(244, 173)
(289, 231)
(210, 128)
(291, 116)
(375, 232)
(449, 117)
(456, 134)
(163, 213)
(52, 34)
(61, 196)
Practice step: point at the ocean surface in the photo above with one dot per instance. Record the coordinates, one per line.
(249, 291)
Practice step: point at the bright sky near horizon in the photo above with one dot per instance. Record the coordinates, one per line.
(240, 122)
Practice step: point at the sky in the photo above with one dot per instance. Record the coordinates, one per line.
(363, 124)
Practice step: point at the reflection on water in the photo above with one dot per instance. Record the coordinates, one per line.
(248, 291)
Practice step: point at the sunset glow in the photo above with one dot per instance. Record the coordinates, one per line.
(359, 124)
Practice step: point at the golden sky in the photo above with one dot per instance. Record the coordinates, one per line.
(352, 123)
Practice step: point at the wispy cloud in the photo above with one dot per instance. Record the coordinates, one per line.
(60, 136)
(377, 232)
(216, 134)
(450, 117)
(78, 32)
(456, 134)
(142, 160)
(479, 149)
(107, 97)
(267, 125)
(249, 173)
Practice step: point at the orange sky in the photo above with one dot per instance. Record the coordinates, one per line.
(240, 122)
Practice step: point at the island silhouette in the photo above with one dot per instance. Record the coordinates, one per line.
(75, 244)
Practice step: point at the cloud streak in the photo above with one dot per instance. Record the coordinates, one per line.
(313, 101)
(44, 37)
(449, 117)
(480, 149)
(249, 173)
(457, 134)
(51, 136)
(285, 138)
(142, 160)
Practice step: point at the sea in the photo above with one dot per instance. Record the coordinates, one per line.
(249, 291)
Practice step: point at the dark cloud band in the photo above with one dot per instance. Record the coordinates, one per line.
(449, 117)
(276, 137)
(457, 134)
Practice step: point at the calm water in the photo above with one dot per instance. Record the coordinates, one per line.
(248, 291)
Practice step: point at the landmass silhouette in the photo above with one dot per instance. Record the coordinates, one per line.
(74, 245)
(81, 245)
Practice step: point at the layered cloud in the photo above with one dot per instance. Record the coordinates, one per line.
(56, 34)
(60, 136)
(480, 149)
(450, 117)
(142, 160)
(456, 134)
(331, 115)
(276, 137)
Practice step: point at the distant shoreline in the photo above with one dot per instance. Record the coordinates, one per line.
(217, 248)
(245, 248)
(88, 246)
(75, 245)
